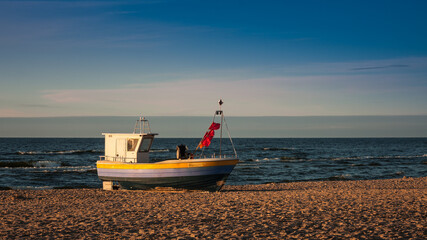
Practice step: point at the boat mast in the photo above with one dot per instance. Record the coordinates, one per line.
(223, 122)
(219, 112)
(142, 126)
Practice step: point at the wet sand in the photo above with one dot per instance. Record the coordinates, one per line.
(375, 209)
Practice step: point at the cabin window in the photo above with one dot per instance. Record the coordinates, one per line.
(145, 145)
(132, 143)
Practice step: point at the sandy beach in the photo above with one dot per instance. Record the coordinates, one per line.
(374, 209)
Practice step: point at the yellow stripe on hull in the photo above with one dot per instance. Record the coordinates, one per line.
(117, 165)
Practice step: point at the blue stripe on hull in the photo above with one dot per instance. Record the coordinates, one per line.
(104, 173)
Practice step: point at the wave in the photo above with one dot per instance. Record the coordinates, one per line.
(340, 177)
(244, 169)
(269, 159)
(76, 187)
(288, 159)
(73, 170)
(342, 160)
(32, 187)
(159, 150)
(16, 164)
(378, 157)
(281, 159)
(31, 164)
(79, 186)
(61, 152)
(74, 152)
(259, 159)
(44, 164)
(278, 149)
(250, 160)
(347, 158)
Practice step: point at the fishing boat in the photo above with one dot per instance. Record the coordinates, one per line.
(127, 165)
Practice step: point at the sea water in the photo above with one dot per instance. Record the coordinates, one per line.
(45, 163)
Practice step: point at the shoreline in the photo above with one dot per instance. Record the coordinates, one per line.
(380, 209)
(226, 186)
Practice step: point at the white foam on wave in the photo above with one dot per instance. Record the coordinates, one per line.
(377, 157)
(49, 164)
(33, 187)
(346, 158)
(341, 176)
(61, 152)
(277, 149)
(27, 153)
(159, 150)
(65, 169)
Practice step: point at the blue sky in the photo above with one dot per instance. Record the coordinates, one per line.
(177, 58)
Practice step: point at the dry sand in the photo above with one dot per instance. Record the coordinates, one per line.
(378, 209)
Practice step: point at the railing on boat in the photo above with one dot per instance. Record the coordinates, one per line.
(133, 160)
(118, 159)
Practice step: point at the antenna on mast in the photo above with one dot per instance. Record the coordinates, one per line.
(219, 112)
(142, 126)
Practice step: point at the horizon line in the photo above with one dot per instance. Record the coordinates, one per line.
(94, 116)
(232, 137)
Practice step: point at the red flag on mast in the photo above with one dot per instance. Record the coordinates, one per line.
(215, 126)
(206, 140)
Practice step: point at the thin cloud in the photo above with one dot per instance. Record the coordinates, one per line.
(352, 67)
(278, 96)
(189, 97)
(36, 106)
(380, 67)
(9, 112)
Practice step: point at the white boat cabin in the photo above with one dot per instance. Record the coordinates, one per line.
(128, 147)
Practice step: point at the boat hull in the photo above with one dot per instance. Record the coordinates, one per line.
(206, 174)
